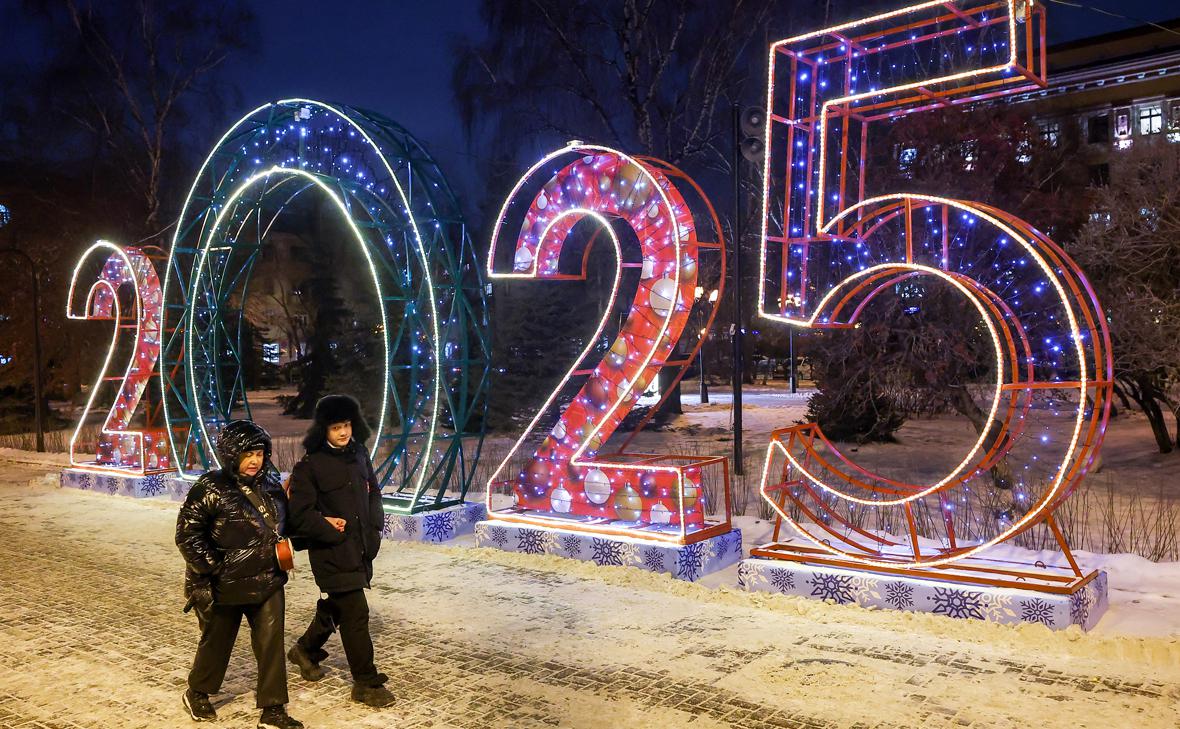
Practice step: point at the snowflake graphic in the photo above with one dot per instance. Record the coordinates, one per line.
(499, 536)
(653, 560)
(387, 525)
(832, 587)
(109, 483)
(735, 538)
(530, 541)
(408, 524)
(1036, 611)
(153, 485)
(743, 569)
(957, 603)
(899, 595)
(1079, 607)
(783, 580)
(571, 544)
(690, 561)
(85, 481)
(607, 552)
(439, 526)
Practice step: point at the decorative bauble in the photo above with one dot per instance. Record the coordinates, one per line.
(561, 500)
(559, 431)
(623, 391)
(628, 504)
(542, 201)
(663, 296)
(688, 267)
(594, 442)
(692, 493)
(536, 475)
(523, 260)
(660, 514)
(631, 187)
(648, 269)
(569, 187)
(598, 393)
(617, 355)
(649, 484)
(597, 487)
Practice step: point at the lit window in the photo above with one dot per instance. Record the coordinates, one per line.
(1122, 123)
(1051, 133)
(1151, 120)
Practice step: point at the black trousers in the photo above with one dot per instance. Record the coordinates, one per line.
(219, 631)
(348, 611)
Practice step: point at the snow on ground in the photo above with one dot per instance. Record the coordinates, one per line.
(91, 634)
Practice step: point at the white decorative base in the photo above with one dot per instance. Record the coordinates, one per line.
(433, 526)
(686, 562)
(914, 594)
(152, 485)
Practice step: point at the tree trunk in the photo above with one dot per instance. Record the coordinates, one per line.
(672, 405)
(1155, 416)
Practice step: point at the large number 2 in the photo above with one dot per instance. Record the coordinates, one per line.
(565, 482)
(119, 448)
(829, 249)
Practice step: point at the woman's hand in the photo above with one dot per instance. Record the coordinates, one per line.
(336, 522)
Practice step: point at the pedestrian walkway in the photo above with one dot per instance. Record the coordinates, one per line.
(91, 635)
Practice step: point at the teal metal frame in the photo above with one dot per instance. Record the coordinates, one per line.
(423, 268)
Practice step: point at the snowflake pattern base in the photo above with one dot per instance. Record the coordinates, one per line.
(433, 526)
(688, 562)
(890, 592)
(152, 485)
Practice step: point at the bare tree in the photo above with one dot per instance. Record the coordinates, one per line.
(1130, 250)
(153, 59)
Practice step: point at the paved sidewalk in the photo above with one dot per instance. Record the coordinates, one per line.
(91, 635)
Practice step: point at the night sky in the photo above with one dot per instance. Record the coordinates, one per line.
(392, 57)
(395, 57)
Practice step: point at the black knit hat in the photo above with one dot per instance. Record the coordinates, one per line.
(335, 409)
(239, 436)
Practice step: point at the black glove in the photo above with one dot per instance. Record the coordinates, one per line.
(200, 597)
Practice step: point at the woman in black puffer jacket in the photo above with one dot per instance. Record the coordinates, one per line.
(227, 530)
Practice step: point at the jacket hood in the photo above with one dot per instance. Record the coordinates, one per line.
(239, 436)
(335, 409)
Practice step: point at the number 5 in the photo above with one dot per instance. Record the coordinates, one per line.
(829, 249)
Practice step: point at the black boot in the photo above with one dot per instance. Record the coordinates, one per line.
(376, 696)
(310, 670)
(275, 717)
(199, 706)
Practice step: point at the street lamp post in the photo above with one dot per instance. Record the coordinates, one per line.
(701, 357)
(38, 394)
(700, 295)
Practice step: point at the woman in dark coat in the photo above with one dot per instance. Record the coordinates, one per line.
(227, 530)
(336, 507)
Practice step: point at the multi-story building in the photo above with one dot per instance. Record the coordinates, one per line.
(1109, 91)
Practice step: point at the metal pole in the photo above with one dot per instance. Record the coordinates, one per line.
(704, 386)
(38, 395)
(791, 339)
(737, 291)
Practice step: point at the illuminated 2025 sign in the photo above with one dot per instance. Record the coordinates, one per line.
(121, 448)
(646, 496)
(829, 247)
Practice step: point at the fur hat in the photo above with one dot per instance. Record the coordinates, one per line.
(335, 409)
